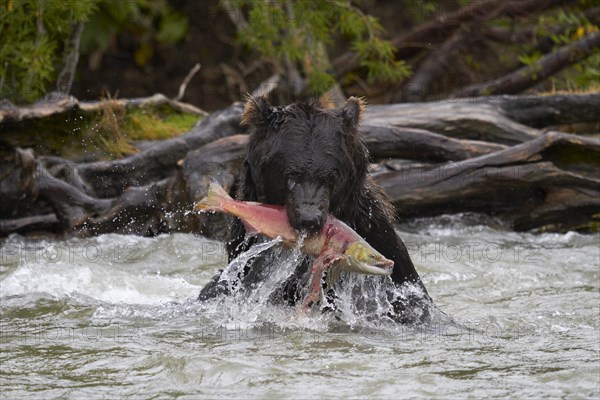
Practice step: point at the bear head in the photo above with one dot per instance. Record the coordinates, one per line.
(308, 158)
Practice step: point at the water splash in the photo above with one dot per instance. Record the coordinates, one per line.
(233, 272)
(357, 300)
(248, 304)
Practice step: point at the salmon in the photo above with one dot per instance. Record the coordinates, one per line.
(336, 246)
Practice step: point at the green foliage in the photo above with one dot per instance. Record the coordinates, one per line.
(473, 63)
(423, 11)
(105, 133)
(173, 27)
(530, 60)
(114, 128)
(575, 26)
(299, 31)
(32, 33)
(151, 21)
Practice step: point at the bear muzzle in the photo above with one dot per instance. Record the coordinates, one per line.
(307, 206)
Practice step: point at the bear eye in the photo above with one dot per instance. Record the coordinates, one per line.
(335, 174)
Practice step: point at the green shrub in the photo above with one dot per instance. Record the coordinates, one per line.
(299, 31)
(32, 35)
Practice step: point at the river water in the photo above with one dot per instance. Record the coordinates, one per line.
(114, 316)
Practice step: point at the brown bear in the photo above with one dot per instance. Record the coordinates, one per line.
(313, 161)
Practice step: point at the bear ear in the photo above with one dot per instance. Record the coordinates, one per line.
(352, 110)
(257, 111)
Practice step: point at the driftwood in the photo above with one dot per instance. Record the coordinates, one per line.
(110, 178)
(529, 185)
(58, 103)
(500, 119)
(488, 155)
(385, 141)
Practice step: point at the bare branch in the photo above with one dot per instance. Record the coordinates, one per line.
(471, 15)
(528, 76)
(434, 65)
(235, 14)
(65, 78)
(187, 80)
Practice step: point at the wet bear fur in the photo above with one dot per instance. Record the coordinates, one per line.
(313, 161)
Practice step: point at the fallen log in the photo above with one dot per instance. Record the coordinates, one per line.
(44, 223)
(138, 210)
(543, 111)
(531, 196)
(221, 160)
(384, 141)
(521, 184)
(110, 178)
(461, 119)
(60, 103)
(501, 119)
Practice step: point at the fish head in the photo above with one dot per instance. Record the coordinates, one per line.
(365, 259)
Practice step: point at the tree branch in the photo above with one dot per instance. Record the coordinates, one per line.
(434, 65)
(474, 14)
(186, 81)
(528, 76)
(65, 78)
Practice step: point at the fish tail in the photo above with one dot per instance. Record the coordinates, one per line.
(215, 198)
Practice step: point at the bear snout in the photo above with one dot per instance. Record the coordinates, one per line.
(310, 219)
(307, 207)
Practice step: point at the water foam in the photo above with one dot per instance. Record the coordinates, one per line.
(102, 283)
